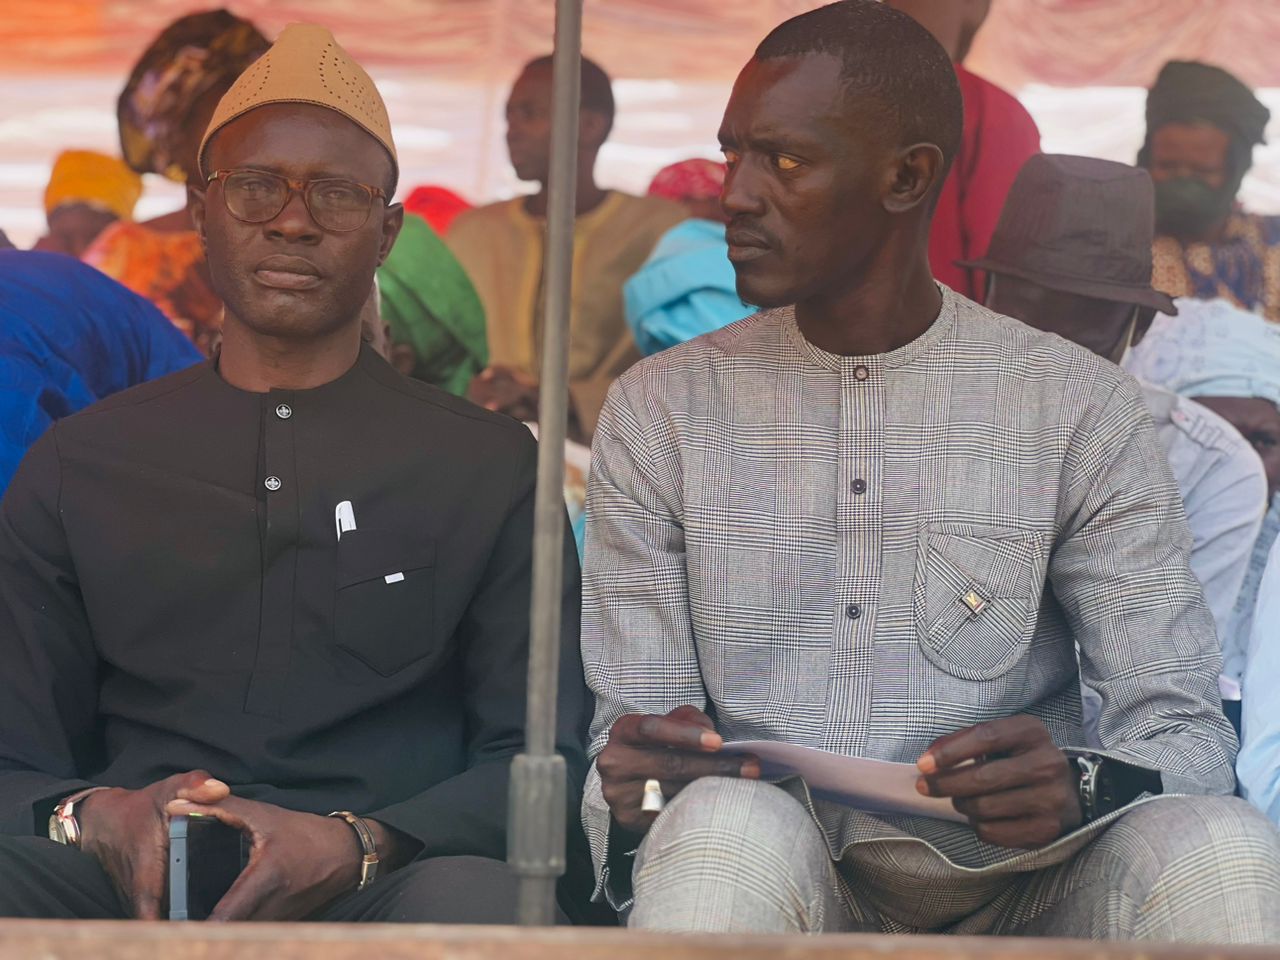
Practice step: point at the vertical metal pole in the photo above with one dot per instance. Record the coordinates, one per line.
(537, 813)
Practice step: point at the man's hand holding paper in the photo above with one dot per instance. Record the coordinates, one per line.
(1009, 778)
(675, 749)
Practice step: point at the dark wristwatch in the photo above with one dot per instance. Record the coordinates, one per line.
(1097, 791)
(1107, 784)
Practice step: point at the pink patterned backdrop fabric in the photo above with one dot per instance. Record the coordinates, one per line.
(1056, 42)
(1125, 42)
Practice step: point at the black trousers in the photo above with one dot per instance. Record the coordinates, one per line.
(40, 879)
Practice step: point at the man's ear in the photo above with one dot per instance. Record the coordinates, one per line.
(917, 171)
(196, 207)
(392, 221)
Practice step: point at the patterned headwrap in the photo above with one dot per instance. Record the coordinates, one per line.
(193, 55)
(689, 180)
(1211, 349)
(85, 176)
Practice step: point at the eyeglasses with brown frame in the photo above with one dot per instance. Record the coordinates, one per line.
(337, 205)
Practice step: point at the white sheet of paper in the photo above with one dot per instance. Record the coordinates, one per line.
(876, 786)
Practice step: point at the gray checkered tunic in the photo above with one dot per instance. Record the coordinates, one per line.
(789, 538)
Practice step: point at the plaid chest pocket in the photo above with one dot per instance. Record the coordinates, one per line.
(976, 597)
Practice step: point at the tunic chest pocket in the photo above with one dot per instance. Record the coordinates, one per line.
(976, 597)
(385, 605)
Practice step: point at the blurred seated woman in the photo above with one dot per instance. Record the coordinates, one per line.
(1202, 126)
(87, 192)
(165, 107)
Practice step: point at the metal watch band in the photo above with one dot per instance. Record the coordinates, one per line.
(1099, 795)
(67, 829)
(369, 860)
(1088, 768)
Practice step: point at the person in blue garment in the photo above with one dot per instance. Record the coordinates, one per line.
(1228, 360)
(70, 336)
(1258, 765)
(686, 288)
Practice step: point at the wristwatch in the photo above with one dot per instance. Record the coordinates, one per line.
(1097, 792)
(369, 861)
(64, 828)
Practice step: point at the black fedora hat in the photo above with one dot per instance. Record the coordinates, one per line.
(1079, 225)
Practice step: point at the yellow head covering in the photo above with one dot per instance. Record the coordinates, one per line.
(306, 65)
(83, 176)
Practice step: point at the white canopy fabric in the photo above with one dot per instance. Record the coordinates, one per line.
(444, 67)
(1055, 42)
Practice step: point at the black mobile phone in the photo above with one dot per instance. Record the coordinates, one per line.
(205, 857)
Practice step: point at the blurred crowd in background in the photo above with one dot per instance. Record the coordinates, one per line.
(119, 298)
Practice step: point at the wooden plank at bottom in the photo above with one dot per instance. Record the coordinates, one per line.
(129, 940)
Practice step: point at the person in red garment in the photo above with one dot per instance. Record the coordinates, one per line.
(999, 137)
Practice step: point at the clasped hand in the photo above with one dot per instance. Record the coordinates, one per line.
(298, 861)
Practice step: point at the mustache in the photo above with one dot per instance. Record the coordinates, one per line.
(744, 232)
(286, 264)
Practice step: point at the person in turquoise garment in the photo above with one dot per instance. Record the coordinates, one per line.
(686, 288)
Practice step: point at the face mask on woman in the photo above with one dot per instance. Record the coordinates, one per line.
(1189, 208)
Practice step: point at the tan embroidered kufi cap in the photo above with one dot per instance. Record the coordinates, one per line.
(306, 65)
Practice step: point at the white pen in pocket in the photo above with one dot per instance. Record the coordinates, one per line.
(344, 518)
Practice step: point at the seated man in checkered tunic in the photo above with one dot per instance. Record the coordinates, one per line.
(879, 520)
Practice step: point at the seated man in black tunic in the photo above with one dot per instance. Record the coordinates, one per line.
(281, 584)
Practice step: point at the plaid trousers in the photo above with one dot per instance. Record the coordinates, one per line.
(743, 856)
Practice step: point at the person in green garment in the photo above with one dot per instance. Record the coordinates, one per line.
(435, 318)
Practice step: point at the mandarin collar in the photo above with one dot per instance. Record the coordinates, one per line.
(905, 354)
(356, 375)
